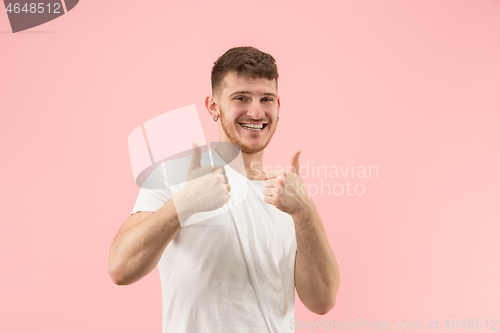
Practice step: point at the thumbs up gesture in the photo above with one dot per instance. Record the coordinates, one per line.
(206, 189)
(285, 189)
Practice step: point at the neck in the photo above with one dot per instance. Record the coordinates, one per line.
(253, 165)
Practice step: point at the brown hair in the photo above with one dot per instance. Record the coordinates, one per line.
(243, 60)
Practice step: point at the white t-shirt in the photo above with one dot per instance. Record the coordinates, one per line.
(232, 270)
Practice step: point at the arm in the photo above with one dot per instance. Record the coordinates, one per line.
(139, 244)
(316, 270)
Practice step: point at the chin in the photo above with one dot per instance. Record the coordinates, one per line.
(252, 149)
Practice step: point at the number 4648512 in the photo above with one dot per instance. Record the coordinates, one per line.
(34, 8)
(472, 324)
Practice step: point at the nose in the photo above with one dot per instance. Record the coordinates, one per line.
(255, 110)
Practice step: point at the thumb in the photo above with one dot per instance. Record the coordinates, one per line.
(295, 162)
(196, 157)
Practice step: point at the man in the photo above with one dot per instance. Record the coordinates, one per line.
(236, 269)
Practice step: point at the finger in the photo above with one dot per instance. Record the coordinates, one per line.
(269, 191)
(270, 200)
(295, 162)
(196, 157)
(274, 173)
(228, 187)
(271, 182)
(222, 170)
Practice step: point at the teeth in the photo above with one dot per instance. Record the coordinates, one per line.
(257, 127)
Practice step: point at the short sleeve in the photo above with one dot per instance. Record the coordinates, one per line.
(150, 200)
(154, 193)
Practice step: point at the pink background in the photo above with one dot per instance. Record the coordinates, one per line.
(411, 87)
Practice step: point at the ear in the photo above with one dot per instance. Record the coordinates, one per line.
(211, 105)
(278, 100)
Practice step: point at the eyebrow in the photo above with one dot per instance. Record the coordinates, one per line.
(249, 93)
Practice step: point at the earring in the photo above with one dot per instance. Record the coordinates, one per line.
(278, 118)
(215, 118)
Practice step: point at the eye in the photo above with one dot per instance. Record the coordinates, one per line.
(239, 98)
(267, 99)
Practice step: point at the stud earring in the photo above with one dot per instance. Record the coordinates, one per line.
(215, 118)
(278, 118)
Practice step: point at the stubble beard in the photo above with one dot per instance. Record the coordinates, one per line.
(231, 134)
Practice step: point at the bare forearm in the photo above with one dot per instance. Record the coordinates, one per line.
(136, 252)
(316, 273)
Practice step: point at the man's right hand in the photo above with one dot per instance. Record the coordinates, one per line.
(205, 190)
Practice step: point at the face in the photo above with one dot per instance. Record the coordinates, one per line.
(249, 110)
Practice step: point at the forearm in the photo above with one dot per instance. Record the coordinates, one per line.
(316, 272)
(136, 251)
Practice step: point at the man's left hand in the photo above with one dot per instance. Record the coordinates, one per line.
(285, 189)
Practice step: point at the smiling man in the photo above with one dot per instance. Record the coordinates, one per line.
(260, 238)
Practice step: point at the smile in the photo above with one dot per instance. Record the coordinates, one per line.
(253, 127)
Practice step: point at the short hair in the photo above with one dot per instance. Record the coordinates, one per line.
(244, 60)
